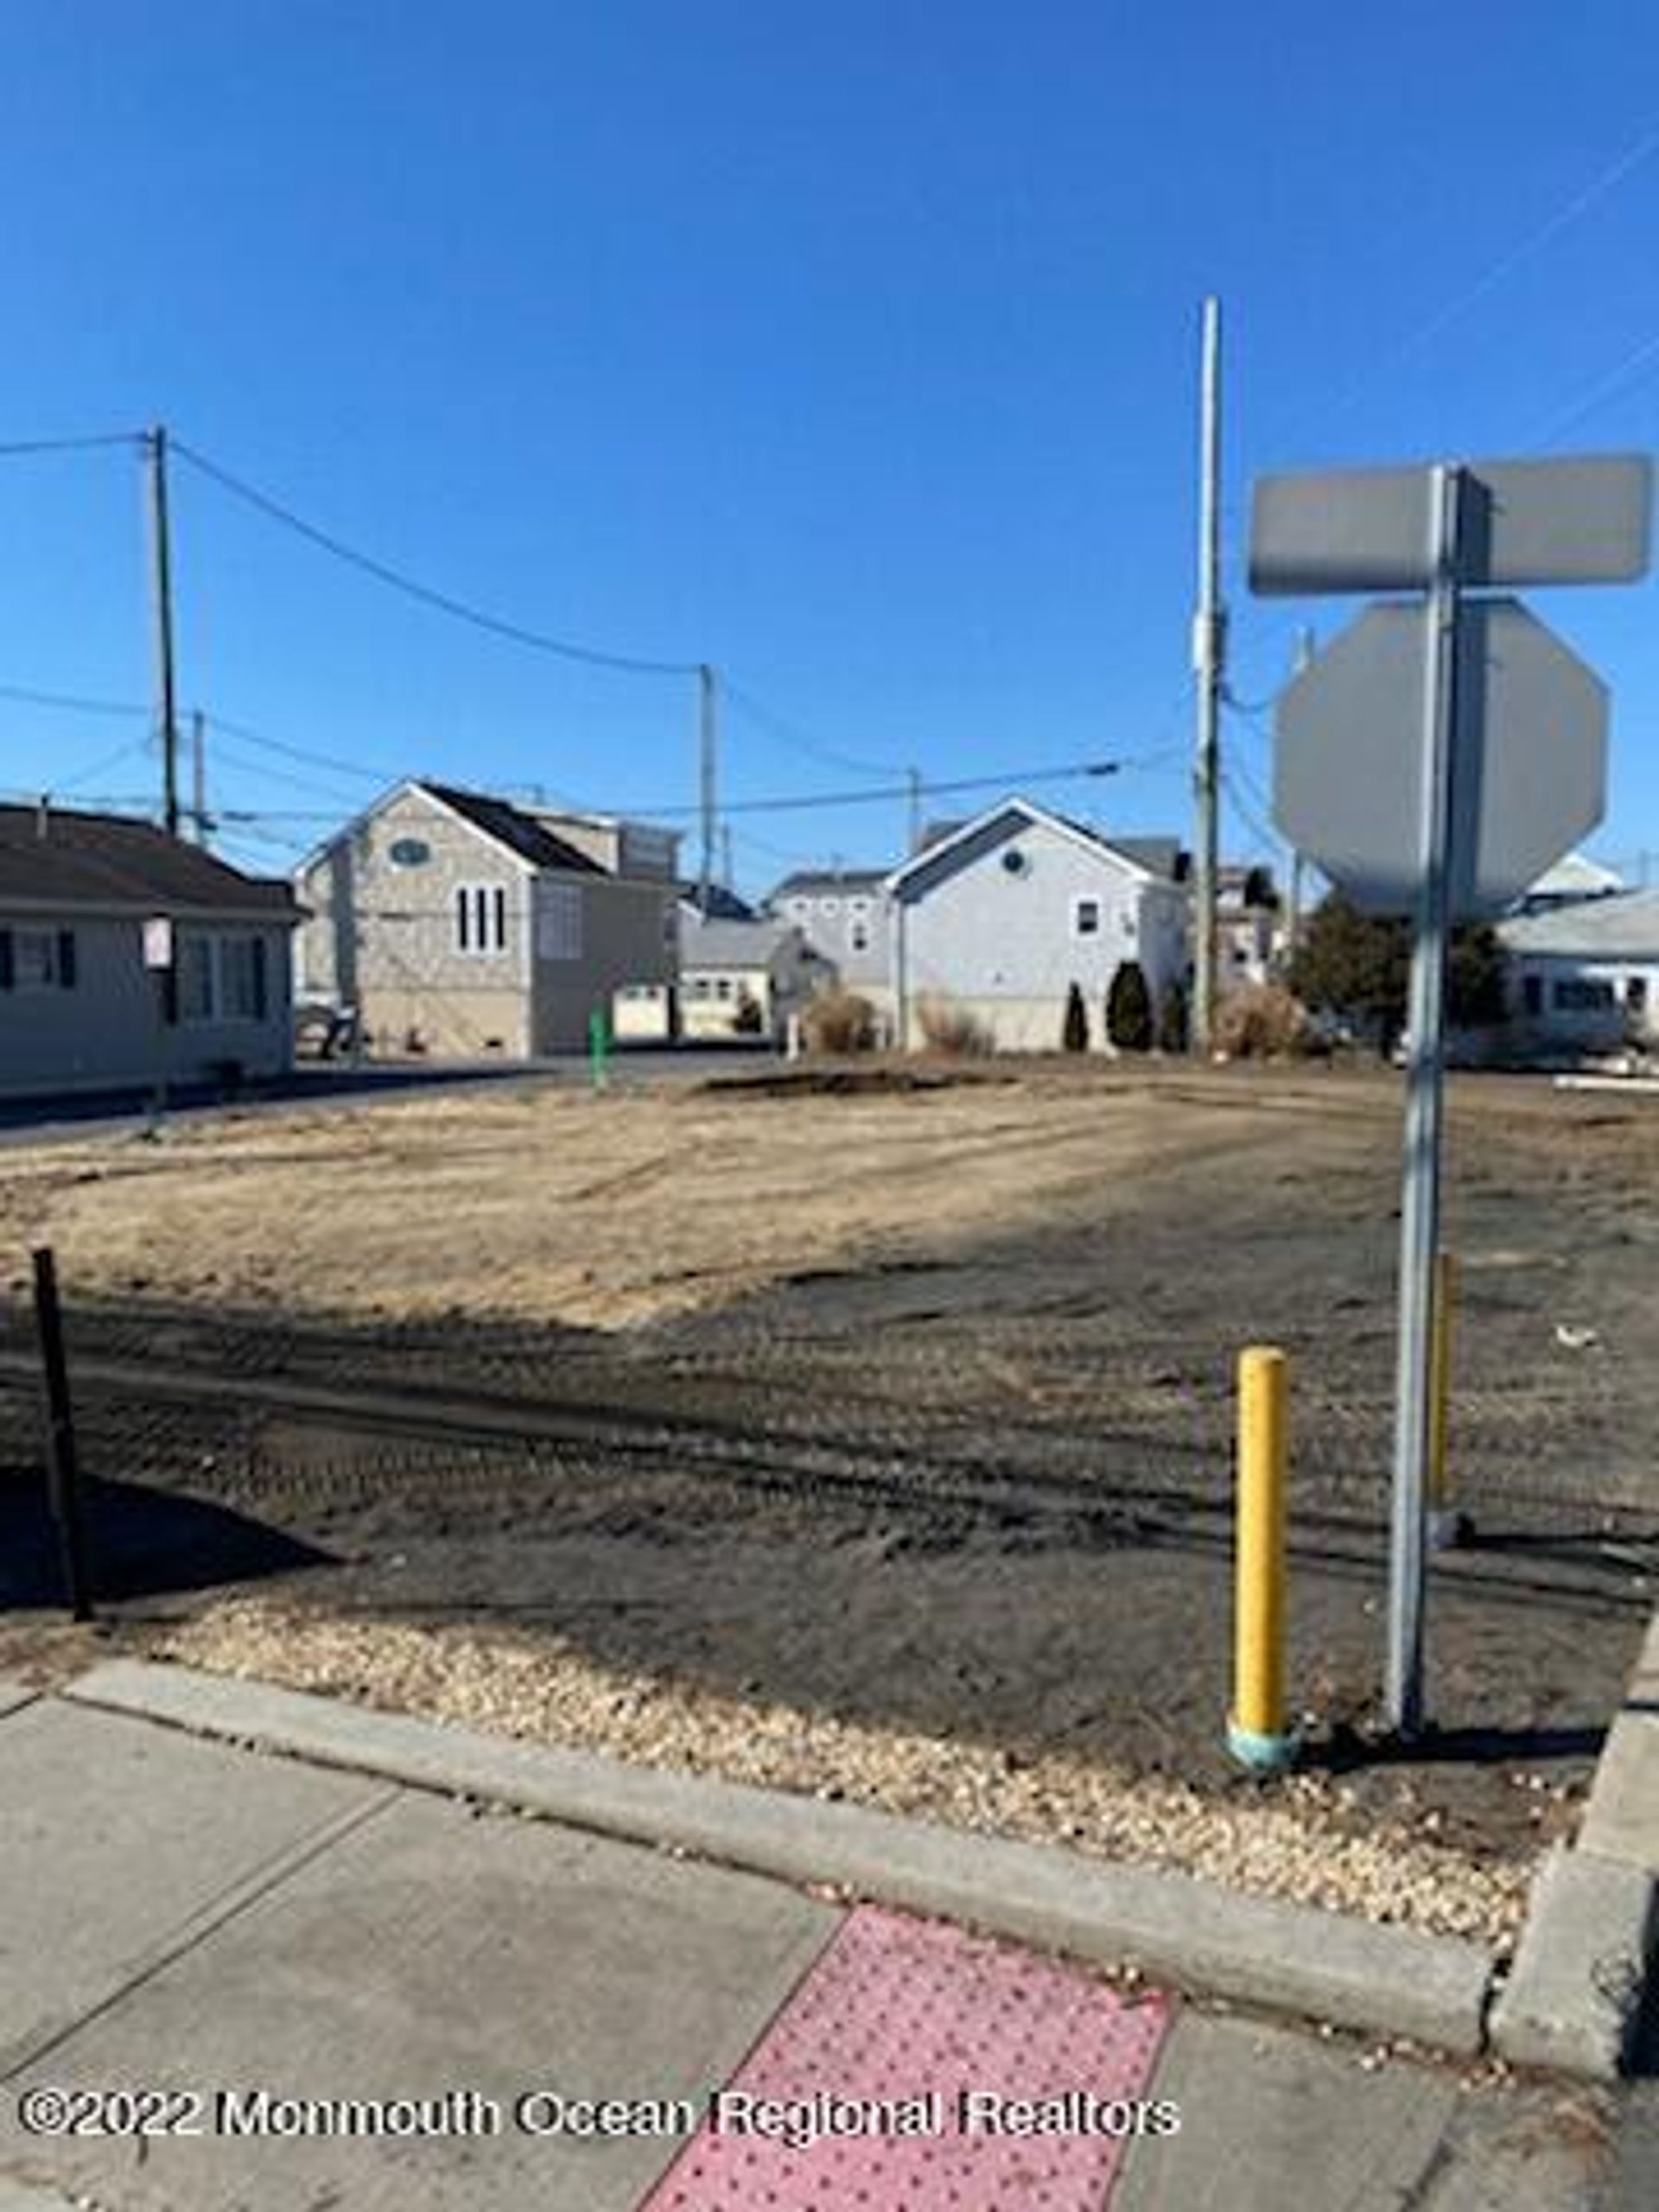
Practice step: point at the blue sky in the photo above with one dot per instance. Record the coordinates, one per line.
(851, 347)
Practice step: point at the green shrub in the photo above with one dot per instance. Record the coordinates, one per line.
(1129, 1009)
(1074, 1036)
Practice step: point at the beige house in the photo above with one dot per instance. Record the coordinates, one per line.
(459, 926)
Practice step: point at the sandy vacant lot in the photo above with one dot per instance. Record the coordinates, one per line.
(876, 1440)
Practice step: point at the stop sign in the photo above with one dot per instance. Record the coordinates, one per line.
(1529, 749)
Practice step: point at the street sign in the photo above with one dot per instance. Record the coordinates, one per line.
(1529, 757)
(1580, 520)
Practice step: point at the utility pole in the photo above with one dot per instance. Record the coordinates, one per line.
(199, 774)
(709, 736)
(161, 571)
(915, 780)
(1209, 663)
(726, 854)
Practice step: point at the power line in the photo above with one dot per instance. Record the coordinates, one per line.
(397, 580)
(1602, 389)
(298, 751)
(70, 702)
(787, 734)
(17, 447)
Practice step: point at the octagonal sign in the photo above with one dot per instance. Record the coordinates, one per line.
(1529, 760)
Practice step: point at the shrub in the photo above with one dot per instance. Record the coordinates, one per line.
(1074, 1036)
(747, 1018)
(1129, 1009)
(1263, 1023)
(950, 1028)
(1172, 1020)
(838, 1021)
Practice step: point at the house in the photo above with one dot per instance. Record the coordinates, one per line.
(847, 918)
(1247, 925)
(1573, 876)
(1001, 917)
(87, 902)
(1584, 974)
(459, 925)
(745, 978)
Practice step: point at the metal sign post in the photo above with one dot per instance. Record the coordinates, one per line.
(1436, 760)
(1419, 1208)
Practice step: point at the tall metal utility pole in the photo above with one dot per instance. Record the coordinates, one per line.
(160, 572)
(708, 742)
(1208, 664)
(199, 774)
(914, 779)
(726, 854)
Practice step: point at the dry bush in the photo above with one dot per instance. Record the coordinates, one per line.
(1263, 1021)
(838, 1021)
(950, 1028)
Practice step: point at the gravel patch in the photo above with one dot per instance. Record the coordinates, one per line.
(1293, 1841)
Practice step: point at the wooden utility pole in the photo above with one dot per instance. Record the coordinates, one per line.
(915, 810)
(161, 571)
(199, 774)
(1209, 663)
(709, 736)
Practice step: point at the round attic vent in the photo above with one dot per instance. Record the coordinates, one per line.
(409, 852)
(1016, 862)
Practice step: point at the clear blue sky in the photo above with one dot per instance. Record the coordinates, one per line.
(850, 346)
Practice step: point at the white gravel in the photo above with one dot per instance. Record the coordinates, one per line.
(1294, 1842)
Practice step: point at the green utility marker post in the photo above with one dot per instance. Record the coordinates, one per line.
(599, 1045)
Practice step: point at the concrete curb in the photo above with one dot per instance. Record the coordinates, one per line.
(1257, 1951)
(1574, 1997)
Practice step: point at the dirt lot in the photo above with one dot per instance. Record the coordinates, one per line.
(876, 1441)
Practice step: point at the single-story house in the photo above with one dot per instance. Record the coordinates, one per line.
(128, 958)
(458, 925)
(1584, 975)
(846, 916)
(999, 919)
(745, 978)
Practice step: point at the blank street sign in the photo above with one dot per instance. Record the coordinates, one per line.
(1529, 756)
(1581, 520)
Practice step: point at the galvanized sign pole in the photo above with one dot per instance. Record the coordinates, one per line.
(1419, 1208)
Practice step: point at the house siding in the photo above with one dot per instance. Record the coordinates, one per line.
(1001, 944)
(624, 939)
(108, 1030)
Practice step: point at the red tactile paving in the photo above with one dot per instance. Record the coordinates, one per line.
(903, 2009)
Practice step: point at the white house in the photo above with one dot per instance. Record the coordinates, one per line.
(1001, 917)
(745, 978)
(1584, 974)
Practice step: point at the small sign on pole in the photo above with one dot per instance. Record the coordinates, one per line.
(158, 942)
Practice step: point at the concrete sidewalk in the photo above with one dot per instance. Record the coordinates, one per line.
(189, 1918)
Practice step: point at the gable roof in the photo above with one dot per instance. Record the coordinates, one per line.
(732, 943)
(519, 832)
(827, 883)
(938, 861)
(1619, 926)
(53, 856)
(715, 902)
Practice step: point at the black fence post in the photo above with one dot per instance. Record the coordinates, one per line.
(63, 1470)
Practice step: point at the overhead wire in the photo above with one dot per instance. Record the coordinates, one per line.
(400, 580)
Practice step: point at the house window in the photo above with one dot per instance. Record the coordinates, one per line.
(1532, 994)
(1635, 996)
(830, 905)
(41, 960)
(242, 978)
(193, 957)
(722, 987)
(800, 909)
(1085, 917)
(858, 905)
(858, 936)
(1583, 995)
(480, 918)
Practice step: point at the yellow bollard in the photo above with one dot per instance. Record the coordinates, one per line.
(1444, 1522)
(1256, 1734)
